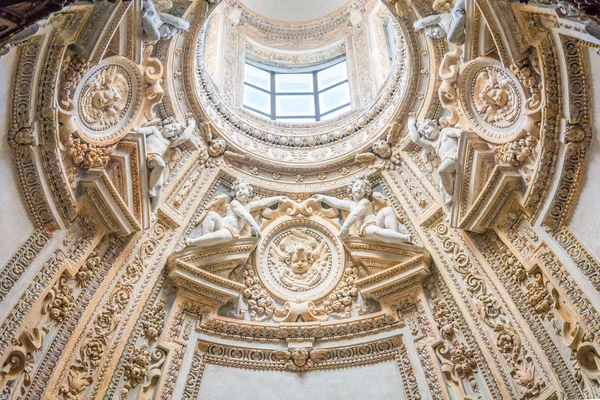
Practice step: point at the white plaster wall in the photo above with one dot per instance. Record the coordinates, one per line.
(585, 220)
(376, 381)
(15, 224)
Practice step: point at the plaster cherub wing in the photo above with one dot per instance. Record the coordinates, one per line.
(320, 253)
(218, 204)
(365, 158)
(379, 201)
(206, 132)
(171, 157)
(282, 355)
(278, 255)
(430, 159)
(319, 355)
(394, 131)
(163, 5)
(152, 122)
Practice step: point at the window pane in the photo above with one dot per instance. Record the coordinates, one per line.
(332, 75)
(257, 99)
(295, 105)
(257, 77)
(296, 120)
(294, 82)
(336, 113)
(335, 97)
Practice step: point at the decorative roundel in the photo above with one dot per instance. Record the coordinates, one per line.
(493, 100)
(108, 97)
(299, 259)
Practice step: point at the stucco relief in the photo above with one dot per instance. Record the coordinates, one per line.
(508, 319)
(299, 260)
(493, 99)
(107, 98)
(104, 98)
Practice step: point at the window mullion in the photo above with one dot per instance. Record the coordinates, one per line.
(316, 95)
(334, 85)
(273, 97)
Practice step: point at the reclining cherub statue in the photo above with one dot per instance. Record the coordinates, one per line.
(373, 219)
(223, 222)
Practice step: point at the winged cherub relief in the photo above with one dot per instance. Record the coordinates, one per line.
(226, 221)
(385, 153)
(299, 259)
(373, 219)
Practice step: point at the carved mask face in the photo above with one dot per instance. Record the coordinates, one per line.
(216, 148)
(382, 148)
(300, 356)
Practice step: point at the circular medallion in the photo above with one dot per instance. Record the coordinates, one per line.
(300, 259)
(493, 100)
(107, 99)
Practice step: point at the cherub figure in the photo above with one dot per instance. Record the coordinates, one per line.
(372, 219)
(385, 153)
(444, 143)
(157, 24)
(224, 222)
(449, 24)
(215, 147)
(160, 137)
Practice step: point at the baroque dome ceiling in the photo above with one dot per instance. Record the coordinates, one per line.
(280, 199)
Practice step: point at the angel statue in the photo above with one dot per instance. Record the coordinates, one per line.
(373, 219)
(450, 25)
(385, 153)
(160, 137)
(157, 24)
(444, 144)
(223, 222)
